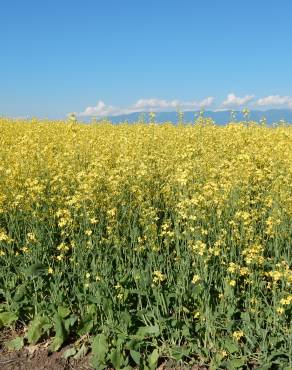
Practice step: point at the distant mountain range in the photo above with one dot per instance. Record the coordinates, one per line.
(220, 117)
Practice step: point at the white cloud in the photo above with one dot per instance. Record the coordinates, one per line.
(207, 102)
(146, 105)
(235, 101)
(100, 110)
(161, 105)
(275, 100)
(157, 104)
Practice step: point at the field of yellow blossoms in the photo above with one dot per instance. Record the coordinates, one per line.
(147, 242)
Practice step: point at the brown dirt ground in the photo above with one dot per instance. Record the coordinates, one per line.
(41, 360)
(38, 358)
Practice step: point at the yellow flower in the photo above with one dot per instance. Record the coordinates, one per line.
(196, 279)
(196, 314)
(232, 283)
(286, 301)
(158, 277)
(31, 237)
(237, 335)
(3, 236)
(50, 270)
(280, 310)
(223, 353)
(244, 271)
(232, 267)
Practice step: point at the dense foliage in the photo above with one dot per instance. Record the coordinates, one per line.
(149, 241)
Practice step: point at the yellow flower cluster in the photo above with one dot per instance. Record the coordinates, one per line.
(211, 202)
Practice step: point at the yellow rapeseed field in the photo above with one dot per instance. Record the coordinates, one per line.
(155, 240)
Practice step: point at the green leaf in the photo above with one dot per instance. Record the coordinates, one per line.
(37, 328)
(116, 358)
(277, 354)
(153, 359)
(81, 352)
(134, 344)
(99, 348)
(274, 340)
(91, 309)
(185, 331)
(197, 290)
(63, 312)
(135, 356)
(61, 334)
(236, 363)
(125, 318)
(69, 353)
(245, 316)
(145, 331)
(179, 352)
(265, 367)
(68, 323)
(20, 293)
(85, 326)
(36, 269)
(7, 318)
(15, 344)
(230, 346)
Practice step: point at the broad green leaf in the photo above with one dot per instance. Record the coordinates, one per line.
(185, 331)
(99, 348)
(145, 331)
(63, 312)
(245, 316)
(266, 367)
(20, 293)
(277, 354)
(153, 359)
(125, 318)
(116, 358)
(135, 356)
(7, 318)
(68, 323)
(36, 269)
(236, 363)
(37, 328)
(60, 335)
(81, 352)
(230, 346)
(85, 326)
(179, 352)
(15, 344)
(133, 344)
(69, 353)
(91, 309)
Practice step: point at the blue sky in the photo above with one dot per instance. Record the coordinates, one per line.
(107, 57)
